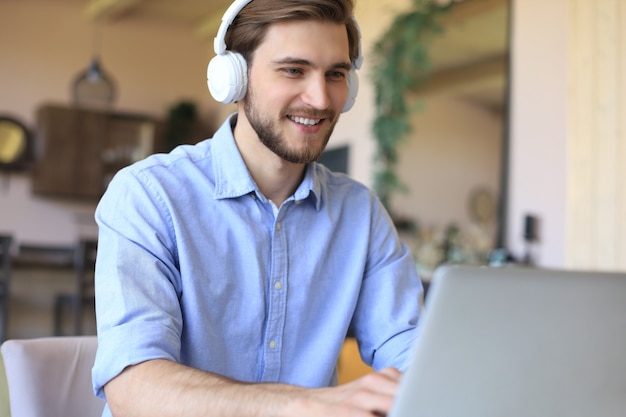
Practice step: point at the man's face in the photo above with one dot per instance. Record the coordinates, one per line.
(297, 87)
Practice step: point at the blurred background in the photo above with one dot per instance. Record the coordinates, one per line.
(513, 154)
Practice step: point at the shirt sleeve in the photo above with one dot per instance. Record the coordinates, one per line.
(136, 281)
(387, 313)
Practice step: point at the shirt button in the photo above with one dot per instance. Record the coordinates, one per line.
(273, 344)
(278, 226)
(298, 201)
(278, 285)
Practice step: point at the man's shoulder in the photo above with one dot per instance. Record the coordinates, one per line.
(339, 181)
(179, 157)
(339, 189)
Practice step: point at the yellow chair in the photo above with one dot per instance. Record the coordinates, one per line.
(350, 365)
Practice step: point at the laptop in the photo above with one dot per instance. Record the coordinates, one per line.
(518, 342)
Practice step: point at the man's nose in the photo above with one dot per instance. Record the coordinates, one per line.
(316, 92)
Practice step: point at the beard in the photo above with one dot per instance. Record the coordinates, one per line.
(269, 133)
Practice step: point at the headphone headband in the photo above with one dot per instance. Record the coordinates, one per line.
(219, 44)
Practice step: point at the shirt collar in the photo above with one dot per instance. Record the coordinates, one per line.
(310, 186)
(232, 178)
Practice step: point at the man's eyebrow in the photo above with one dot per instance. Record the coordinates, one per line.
(304, 62)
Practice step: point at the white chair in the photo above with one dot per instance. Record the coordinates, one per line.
(51, 377)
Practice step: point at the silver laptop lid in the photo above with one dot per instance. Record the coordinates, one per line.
(519, 342)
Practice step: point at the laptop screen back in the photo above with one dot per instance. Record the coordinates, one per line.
(519, 342)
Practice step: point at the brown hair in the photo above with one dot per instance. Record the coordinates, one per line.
(248, 29)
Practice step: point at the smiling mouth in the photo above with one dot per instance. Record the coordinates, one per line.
(304, 120)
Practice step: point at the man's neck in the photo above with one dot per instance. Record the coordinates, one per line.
(276, 178)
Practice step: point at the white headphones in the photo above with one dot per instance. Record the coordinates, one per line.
(227, 73)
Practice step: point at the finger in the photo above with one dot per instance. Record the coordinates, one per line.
(385, 381)
(392, 373)
(377, 391)
(373, 402)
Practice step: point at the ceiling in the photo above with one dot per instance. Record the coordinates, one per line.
(203, 16)
(469, 59)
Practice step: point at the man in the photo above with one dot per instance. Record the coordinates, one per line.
(230, 272)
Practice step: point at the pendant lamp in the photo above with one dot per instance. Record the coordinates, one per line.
(93, 87)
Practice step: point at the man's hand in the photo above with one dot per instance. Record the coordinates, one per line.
(371, 395)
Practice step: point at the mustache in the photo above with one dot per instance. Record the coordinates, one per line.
(310, 113)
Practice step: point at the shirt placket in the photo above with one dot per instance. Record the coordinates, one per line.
(273, 343)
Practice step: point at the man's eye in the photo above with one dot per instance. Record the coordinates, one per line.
(292, 71)
(337, 75)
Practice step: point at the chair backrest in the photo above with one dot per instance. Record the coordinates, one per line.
(51, 377)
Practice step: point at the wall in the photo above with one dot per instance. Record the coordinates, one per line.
(568, 132)
(596, 193)
(537, 182)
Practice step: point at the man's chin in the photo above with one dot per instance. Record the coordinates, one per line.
(300, 158)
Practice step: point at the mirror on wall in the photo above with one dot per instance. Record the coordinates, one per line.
(452, 163)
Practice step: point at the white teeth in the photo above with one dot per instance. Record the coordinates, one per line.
(306, 122)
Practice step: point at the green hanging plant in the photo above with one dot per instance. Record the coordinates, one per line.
(400, 64)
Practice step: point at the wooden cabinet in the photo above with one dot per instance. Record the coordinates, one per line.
(77, 151)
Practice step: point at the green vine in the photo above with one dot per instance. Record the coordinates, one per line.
(400, 64)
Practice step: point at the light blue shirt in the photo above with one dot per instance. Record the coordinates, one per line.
(196, 266)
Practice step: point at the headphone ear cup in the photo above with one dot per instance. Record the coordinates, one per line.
(353, 89)
(227, 77)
